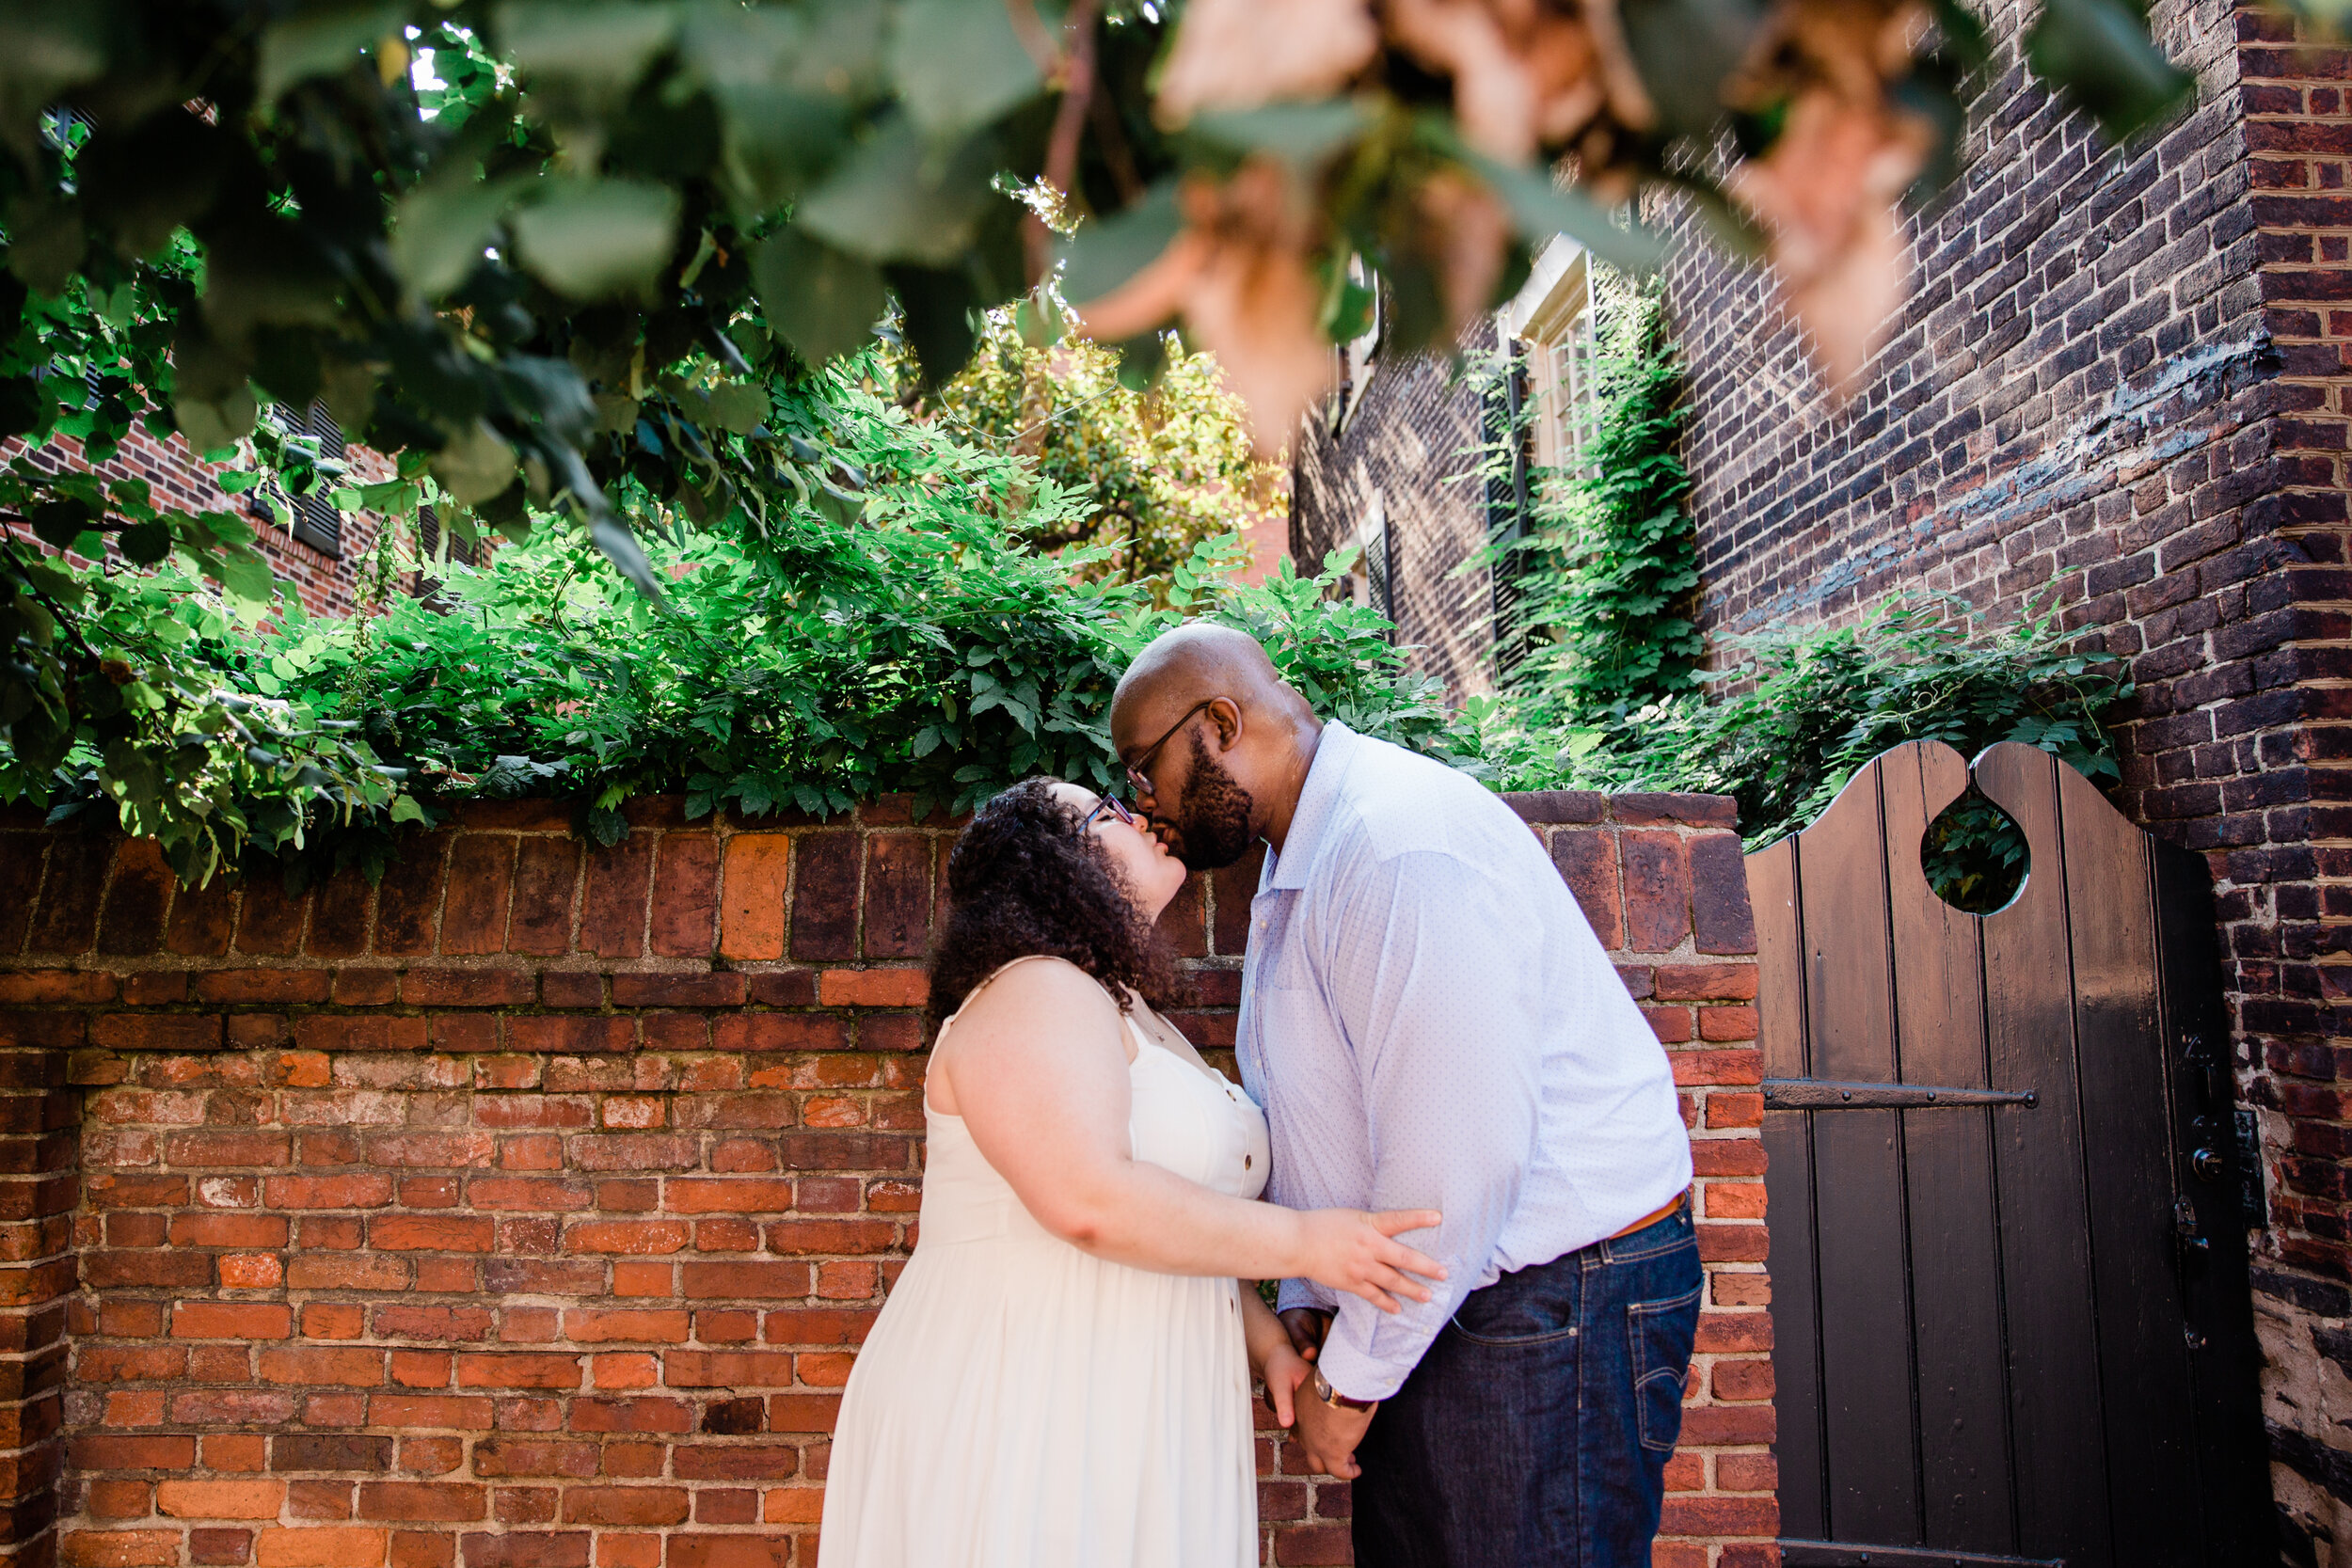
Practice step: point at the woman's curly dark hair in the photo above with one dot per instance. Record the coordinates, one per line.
(1025, 878)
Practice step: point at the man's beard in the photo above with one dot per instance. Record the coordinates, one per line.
(1212, 820)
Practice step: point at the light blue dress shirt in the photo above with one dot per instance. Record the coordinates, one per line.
(1430, 1023)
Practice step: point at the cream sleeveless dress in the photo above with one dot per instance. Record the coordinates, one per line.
(1020, 1404)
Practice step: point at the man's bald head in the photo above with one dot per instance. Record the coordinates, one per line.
(1236, 776)
(1200, 660)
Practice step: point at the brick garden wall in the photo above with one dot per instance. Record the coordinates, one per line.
(528, 1210)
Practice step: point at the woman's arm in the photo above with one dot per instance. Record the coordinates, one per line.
(1036, 1067)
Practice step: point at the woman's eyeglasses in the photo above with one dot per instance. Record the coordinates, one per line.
(1116, 807)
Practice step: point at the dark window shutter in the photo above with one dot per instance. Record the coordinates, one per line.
(1507, 517)
(429, 539)
(316, 521)
(1380, 569)
(429, 546)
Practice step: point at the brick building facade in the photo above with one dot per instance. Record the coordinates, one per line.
(1392, 466)
(327, 578)
(527, 1209)
(2119, 388)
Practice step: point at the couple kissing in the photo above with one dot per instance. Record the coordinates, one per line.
(1456, 1146)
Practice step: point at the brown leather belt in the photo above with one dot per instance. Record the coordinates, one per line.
(1669, 1212)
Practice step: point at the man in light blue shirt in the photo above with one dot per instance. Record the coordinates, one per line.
(1430, 1022)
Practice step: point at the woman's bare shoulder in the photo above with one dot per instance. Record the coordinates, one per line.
(1046, 1002)
(1024, 990)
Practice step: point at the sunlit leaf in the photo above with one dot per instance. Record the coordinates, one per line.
(247, 576)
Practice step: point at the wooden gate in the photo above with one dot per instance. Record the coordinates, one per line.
(2008, 1280)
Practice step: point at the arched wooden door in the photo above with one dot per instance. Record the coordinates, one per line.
(2009, 1302)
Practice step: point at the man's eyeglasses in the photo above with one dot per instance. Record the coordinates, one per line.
(1139, 771)
(1116, 807)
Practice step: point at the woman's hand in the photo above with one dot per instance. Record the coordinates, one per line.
(1347, 1249)
(1283, 1371)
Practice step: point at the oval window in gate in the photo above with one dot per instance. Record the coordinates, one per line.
(1974, 855)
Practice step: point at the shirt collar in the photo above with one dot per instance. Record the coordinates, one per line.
(1316, 797)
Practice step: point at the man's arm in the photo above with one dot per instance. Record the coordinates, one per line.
(1435, 978)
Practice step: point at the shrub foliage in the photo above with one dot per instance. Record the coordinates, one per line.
(912, 641)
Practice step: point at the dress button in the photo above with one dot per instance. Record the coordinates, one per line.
(1246, 1160)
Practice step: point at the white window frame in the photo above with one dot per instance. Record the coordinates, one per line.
(1552, 318)
(1370, 579)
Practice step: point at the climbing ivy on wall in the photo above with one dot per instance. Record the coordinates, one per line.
(1608, 568)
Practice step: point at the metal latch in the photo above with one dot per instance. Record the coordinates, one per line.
(2184, 1227)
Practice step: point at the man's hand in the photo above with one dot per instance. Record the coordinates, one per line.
(1307, 1326)
(1327, 1435)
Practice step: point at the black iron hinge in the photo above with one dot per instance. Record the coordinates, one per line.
(1836, 1554)
(1832, 1094)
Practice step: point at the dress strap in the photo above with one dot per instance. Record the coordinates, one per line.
(990, 979)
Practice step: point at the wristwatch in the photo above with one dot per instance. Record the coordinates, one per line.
(1333, 1398)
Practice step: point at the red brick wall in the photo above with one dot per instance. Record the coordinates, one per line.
(2284, 877)
(529, 1207)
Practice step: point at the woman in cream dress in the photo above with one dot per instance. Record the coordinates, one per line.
(1061, 1378)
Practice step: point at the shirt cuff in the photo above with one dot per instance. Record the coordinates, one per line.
(1356, 1375)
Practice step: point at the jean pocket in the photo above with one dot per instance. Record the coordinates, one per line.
(1661, 1333)
(1531, 1308)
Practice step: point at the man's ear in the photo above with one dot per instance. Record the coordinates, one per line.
(1226, 715)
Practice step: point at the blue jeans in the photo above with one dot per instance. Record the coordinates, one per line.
(1536, 1432)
